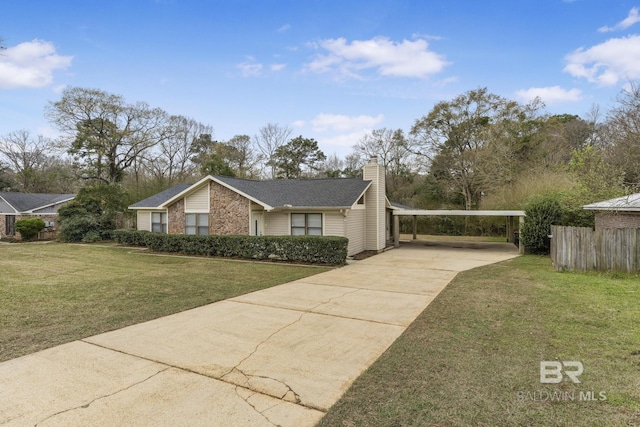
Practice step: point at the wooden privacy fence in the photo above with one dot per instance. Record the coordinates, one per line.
(608, 249)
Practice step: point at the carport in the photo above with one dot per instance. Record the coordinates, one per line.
(415, 213)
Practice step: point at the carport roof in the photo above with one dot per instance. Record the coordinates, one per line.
(445, 212)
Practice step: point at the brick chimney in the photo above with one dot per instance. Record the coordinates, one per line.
(375, 229)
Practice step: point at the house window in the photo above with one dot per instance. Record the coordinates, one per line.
(197, 224)
(10, 225)
(306, 224)
(159, 222)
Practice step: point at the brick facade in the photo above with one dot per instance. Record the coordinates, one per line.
(47, 233)
(617, 220)
(175, 218)
(229, 211)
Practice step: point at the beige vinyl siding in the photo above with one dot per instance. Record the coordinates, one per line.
(198, 201)
(356, 230)
(375, 207)
(334, 224)
(144, 220)
(276, 224)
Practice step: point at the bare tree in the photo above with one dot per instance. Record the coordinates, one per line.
(394, 151)
(171, 160)
(242, 156)
(455, 135)
(333, 167)
(27, 157)
(271, 137)
(622, 135)
(104, 133)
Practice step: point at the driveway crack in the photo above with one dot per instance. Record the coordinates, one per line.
(246, 399)
(289, 395)
(86, 405)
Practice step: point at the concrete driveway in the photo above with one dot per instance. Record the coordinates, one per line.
(280, 356)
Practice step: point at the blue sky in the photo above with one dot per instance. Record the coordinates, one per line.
(331, 70)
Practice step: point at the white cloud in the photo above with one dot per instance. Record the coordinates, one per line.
(446, 81)
(250, 68)
(343, 142)
(550, 95)
(277, 67)
(284, 28)
(631, 19)
(608, 62)
(386, 57)
(341, 123)
(425, 36)
(31, 64)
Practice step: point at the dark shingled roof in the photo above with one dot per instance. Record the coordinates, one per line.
(321, 193)
(25, 202)
(330, 192)
(158, 199)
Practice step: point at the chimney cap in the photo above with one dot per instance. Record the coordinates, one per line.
(373, 159)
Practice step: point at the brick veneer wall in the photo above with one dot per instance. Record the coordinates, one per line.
(617, 220)
(229, 211)
(175, 218)
(46, 218)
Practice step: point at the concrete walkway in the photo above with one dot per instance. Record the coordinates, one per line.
(280, 356)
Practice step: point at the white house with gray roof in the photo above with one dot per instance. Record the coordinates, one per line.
(15, 206)
(355, 208)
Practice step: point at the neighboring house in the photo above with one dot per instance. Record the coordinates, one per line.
(356, 208)
(621, 212)
(15, 206)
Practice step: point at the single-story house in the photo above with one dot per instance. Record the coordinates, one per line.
(621, 212)
(356, 208)
(15, 206)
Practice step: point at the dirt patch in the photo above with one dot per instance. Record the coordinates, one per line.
(364, 255)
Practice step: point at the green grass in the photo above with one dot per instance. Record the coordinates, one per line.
(56, 293)
(472, 358)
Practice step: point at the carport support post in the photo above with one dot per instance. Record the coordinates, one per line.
(520, 245)
(396, 231)
(415, 227)
(510, 230)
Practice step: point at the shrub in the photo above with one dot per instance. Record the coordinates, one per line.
(91, 215)
(312, 249)
(542, 212)
(30, 227)
(130, 237)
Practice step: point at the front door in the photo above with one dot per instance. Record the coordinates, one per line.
(256, 223)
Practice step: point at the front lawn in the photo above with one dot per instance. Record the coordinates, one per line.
(56, 293)
(472, 358)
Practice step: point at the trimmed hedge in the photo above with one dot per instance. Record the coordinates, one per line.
(312, 249)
